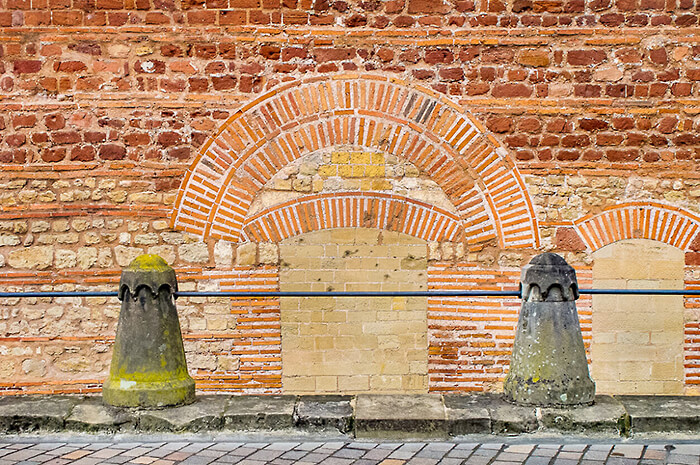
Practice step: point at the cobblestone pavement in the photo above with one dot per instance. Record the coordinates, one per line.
(37, 451)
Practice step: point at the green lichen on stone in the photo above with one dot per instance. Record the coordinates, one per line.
(148, 262)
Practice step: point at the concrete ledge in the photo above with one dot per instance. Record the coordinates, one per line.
(662, 413)
(400, 416)
(364, 415)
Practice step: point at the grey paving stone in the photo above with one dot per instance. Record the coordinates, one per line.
(366, 462)
(199, 460)
(265, 455)
(557, 461)
(662, 413)
(478, 460)
(596, 454)
(332, 446)
(683, 459)
(377, 454)
(209, 453)
(450, 461)
(510, 457)
(23, 454)
(398, 455)
(314, 457)
(460, 453)
(86, 461)
(537, 460)
(325, 412)
(106, 453)
(118, 459)
(621, 461)
(281, 462)
(412, 415)
(243, 451)
(336, 461)
(349, 453)
(294, 454)
(422, 461)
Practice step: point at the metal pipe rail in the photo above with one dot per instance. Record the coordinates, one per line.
(464, 293)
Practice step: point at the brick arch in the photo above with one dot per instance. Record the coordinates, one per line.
(353, 210)
(368, 112)
(639, 220)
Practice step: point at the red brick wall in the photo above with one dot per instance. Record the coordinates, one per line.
(552, 122)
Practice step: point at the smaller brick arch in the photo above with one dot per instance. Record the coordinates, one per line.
(353, 210)
(639, 220)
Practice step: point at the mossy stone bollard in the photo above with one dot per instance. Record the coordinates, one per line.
(548, 367)
(148, 363)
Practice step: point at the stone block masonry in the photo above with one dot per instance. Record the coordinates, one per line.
(210, 132)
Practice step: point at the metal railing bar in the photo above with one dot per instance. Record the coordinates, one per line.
(452, 293)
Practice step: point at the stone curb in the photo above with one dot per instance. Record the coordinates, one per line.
(362, 415)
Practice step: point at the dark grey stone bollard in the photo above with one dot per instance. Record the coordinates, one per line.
(148, 361)
(548, 366)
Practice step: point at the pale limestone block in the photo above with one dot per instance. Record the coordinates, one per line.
(194, 253)
(228, 363)
(299, 384)
(104, 257)
(33, 367)
(268, 253)
(356, 383)
(125, 255)
(246, 254)
(65, 259)
(166, 252)
(223, 253)
(146, 239)
(36, 257)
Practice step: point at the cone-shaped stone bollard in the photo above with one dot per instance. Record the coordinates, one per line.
(148, 363)
(548, 366)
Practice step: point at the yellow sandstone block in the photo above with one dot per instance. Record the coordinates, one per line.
(360, 158)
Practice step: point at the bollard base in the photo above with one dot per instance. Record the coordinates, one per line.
(571, 393)
(155, 394)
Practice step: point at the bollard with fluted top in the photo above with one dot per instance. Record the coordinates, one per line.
(548, 367)
(148, 363)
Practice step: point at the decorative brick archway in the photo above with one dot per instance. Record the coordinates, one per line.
(353, 210)
(370, 112)
(639, 220)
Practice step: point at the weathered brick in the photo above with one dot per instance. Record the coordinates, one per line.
(323, 55)
(511, 90)
(112, 152)
(585, 57)
(26, 66)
